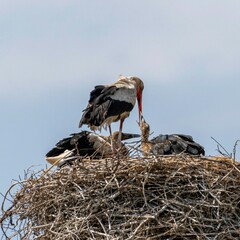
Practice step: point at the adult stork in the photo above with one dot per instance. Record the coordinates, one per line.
(167, 144)
(86, 144)
(112, 103)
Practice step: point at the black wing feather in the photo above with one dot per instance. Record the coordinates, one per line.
(175, 144)
(78, 143)
(101, 106)
(95, 93)
(94, 113)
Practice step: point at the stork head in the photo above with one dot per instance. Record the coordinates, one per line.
(139, 90)
(145, 128)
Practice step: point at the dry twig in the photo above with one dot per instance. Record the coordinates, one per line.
(173, 197)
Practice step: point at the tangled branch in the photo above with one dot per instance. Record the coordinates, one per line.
(173, 197)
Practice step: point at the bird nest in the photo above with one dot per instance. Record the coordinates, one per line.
(165, 197)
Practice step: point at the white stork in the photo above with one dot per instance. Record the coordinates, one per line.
(86, 144)
(111, 103)
(167, 144)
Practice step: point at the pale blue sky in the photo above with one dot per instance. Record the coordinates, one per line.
(52, 53)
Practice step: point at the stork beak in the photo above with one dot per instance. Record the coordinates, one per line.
(126, 136)
(139, 99)
(141, 119)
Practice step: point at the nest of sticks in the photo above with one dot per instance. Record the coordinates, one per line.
(164, 197)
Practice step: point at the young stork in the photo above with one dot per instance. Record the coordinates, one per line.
(86, 144)
(112, 103)
(168, 144)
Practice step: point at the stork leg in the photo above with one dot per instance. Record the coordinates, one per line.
(112, 140)
(120, 133)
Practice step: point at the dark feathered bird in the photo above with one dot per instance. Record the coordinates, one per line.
(167, 144)
(86, 144)
(111, 103)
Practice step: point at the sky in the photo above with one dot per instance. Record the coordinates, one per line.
(52, 54)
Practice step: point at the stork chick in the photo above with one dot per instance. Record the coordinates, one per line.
(167, 144)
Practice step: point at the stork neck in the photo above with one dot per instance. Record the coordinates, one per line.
(144, 135)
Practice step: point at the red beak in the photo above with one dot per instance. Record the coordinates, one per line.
(139, 99)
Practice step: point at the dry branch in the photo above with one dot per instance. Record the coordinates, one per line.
(174, 197)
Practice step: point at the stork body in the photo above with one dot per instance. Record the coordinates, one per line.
(112, 103)
(86, 144)
(167, 144)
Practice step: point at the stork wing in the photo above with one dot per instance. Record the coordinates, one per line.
(60, 147)
(77, 142)
(104, 95)
(98, 96)
(184, 137)
(176, 143)
(95, 93)
(104, 103)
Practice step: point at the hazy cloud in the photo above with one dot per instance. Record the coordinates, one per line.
(50, 43)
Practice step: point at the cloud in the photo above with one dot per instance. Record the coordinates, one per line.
(50, 45)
